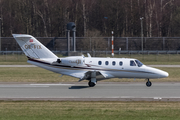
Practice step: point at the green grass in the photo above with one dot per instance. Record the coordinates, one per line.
(39, 75)
(89, 110)
(153, 59)
(16, 58)
(31, 75)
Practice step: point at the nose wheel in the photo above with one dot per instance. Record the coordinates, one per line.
(148, 83)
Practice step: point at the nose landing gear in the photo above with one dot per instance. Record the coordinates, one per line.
(148, 83)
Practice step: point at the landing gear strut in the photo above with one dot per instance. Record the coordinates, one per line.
(148, 83)
(93, 81)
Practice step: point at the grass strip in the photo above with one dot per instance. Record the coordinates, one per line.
(89, 110)
(39, 75)
(153, 59)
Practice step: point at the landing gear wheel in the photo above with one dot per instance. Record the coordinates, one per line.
(91, 84)
(148, 83)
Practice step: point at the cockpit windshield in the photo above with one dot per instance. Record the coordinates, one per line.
(138, 63)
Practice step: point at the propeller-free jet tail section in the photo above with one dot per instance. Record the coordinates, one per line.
(32, 47)
(86, 68)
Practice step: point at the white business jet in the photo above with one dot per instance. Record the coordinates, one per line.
(88, 68)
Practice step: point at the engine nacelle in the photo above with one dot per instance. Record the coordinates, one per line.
(71, 61)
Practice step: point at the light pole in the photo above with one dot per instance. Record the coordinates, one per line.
(142, 32)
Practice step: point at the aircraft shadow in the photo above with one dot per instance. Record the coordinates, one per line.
(78, 87)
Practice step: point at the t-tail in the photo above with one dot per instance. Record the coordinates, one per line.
(32, 48)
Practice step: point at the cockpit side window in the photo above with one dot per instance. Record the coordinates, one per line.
(139, 63)
(132, 63)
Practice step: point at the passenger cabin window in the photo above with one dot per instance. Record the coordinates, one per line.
(138, 63)
(107, 63)
(132, 63)
(99, 62)
(113, 63)
(120, 63)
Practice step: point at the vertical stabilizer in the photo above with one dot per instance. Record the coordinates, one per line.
(32, 47)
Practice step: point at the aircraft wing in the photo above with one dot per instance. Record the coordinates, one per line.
(79, 75)
(106, 75)
(87, 75)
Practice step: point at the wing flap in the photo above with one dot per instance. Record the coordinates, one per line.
(99, 75)
(87, 75)
(106, 75)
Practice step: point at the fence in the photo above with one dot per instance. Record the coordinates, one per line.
(102, 44)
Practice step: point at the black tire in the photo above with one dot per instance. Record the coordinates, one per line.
(148, 83)
(91, 84)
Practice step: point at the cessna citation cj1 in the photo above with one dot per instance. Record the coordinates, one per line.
(88, 68)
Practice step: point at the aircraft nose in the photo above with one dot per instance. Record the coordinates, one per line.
(163, 74)
(158, 73)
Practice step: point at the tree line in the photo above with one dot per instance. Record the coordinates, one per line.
(48, 18)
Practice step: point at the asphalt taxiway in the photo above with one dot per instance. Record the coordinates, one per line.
(101, 92)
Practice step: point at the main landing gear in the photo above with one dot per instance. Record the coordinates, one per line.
(93, 81)
(148, 83)
(91, 84)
